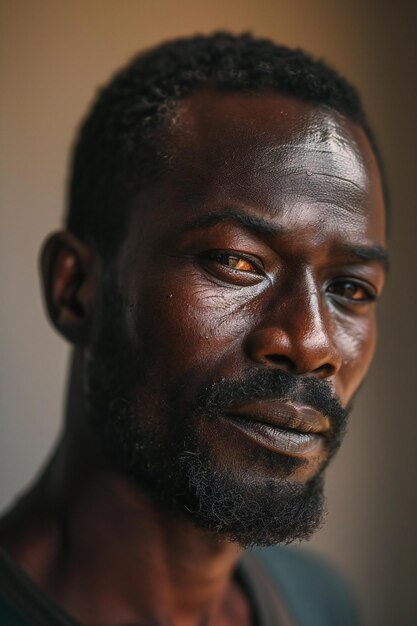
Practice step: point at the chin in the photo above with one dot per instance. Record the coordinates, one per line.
(250, 508)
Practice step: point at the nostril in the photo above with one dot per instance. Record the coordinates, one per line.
(324, 371)
(281, 361)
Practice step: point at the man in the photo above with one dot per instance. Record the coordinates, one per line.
(223, 254)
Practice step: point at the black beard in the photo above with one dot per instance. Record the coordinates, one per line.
(164, 454)
(251, 510)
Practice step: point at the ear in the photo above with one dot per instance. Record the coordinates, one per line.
(69, 271)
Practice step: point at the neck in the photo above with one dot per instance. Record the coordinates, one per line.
(107, 553)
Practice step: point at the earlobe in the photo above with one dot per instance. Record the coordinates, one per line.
(68, 269)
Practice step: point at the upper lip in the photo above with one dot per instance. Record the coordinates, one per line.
(282, 414)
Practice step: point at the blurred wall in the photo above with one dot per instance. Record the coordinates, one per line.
(53, 55)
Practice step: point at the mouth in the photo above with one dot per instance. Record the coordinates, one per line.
(282, 427)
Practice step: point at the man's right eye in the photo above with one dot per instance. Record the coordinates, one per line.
(234, 261)
(233, 266)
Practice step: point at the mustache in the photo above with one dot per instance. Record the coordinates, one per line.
(274, 385)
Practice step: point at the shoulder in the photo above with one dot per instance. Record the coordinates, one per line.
(315, 592)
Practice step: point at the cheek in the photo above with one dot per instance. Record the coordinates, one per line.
(190, 324)
(356, 341)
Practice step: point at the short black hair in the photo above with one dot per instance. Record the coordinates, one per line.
(120, 146)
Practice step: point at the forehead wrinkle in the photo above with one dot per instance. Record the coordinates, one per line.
(346, 165)
(258, 179)
(341, 178)
(356, 193)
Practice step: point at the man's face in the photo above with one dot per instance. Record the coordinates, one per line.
(240, 319)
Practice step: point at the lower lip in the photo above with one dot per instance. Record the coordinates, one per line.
(278, 440)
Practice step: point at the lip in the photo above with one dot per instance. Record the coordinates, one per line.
(284, 427)
(281, 414)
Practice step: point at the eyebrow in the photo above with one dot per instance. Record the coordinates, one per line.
(260, 225)
(365, 253)
(264, 227)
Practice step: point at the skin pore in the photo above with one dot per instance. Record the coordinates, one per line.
(261, 250)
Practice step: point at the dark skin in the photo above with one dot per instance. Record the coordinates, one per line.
(264, 249)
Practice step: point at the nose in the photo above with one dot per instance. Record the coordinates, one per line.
(296, 334)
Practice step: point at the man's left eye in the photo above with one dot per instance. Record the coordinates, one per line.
(352, 291)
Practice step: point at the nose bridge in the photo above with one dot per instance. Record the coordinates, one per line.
(303, 313)
(297, 331)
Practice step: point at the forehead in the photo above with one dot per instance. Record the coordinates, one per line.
(296, 162)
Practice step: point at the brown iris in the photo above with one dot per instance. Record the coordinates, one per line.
(240, 264)
(351, 291)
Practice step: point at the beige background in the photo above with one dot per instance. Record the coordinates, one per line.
(53, 56)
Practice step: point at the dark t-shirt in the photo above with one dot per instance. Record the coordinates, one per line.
(285, 587)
